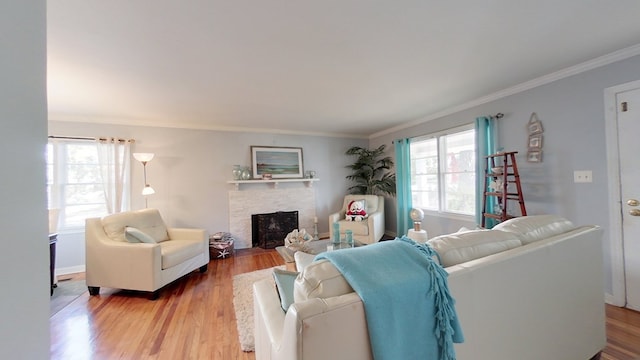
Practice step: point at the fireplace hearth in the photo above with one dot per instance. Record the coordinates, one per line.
(269, 230)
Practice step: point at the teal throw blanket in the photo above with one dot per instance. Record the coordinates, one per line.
(410, 313)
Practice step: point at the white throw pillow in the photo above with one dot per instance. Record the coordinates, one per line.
(461, 247)
(134, 235)
(535, 227)
(320, 279)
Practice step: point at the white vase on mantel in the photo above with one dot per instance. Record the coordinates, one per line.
(237, 172)
(246, 174)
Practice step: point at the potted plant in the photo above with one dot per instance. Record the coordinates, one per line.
(371, 172)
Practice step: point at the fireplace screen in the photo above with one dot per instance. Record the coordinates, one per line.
(269, 230)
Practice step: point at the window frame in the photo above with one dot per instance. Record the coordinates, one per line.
(442, 165)
(58, 167)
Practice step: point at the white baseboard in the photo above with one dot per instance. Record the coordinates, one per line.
(613, 300)
(70, 270)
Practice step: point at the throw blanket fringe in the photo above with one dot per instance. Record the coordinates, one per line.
(405, 295)
(445, 312)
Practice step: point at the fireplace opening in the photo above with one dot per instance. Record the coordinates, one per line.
(269, 230)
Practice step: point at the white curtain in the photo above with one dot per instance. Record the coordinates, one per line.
(114, 156)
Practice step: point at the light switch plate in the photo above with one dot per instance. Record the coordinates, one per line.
(582, 176)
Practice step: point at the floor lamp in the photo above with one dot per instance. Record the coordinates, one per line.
(144, 158)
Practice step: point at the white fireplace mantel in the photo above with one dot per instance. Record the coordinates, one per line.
(274, 182)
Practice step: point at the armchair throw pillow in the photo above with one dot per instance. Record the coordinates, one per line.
(135, 235)
(356, 211)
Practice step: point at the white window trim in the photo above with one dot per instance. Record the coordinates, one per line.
(58, 172)
(440, 213)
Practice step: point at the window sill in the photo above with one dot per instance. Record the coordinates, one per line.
(448, 215)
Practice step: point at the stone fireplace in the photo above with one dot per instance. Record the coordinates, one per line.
(244, 203)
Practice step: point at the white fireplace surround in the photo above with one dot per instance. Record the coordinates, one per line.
(244, 203)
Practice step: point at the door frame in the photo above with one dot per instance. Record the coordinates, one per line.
(616, 248)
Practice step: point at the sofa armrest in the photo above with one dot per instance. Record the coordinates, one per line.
(130, 265)
(339, 321)
(376, 224)
(268, 318)
(308, 327)
(335, 217)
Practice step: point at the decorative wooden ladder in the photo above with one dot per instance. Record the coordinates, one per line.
(505, 181)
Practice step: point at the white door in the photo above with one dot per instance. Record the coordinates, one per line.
(628, 103)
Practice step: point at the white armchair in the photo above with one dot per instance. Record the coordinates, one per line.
(115, 259)
(366, 231)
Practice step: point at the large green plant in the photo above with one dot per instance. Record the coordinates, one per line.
(371, 172)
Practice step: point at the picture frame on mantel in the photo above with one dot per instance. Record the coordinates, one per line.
(279, 162)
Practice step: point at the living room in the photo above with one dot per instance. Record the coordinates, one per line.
(192, 165)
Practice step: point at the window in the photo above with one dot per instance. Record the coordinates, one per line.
(74, 182)
(443, 174)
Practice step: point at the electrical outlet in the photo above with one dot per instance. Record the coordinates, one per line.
(582, 176)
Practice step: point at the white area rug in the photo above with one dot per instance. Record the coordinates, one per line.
(243, 304)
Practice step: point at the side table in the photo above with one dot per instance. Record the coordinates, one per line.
(419, 236)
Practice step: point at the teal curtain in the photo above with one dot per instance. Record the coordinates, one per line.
(403, 186)
(486, 140)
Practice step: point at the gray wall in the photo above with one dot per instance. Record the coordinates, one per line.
(24, 259)
(572, 113)
(191, 168)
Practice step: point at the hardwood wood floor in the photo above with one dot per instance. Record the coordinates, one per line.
(194, 318)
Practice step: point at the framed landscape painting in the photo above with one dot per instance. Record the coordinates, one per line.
(280, 162)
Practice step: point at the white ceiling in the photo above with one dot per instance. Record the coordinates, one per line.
(350, 67)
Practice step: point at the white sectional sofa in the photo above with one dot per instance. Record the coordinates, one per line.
(529, 289)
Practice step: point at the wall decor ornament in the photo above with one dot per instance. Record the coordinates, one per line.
(534, 156)
(535, 125)
(534, 144)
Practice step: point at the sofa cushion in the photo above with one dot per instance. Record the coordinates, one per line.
(535, 227)
(358, 227)
(320, 279)
(176, 252)
(284, 284)
(148, 221)
(465, 246)
(135, 235)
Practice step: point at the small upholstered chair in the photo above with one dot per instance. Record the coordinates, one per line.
(367, 231)
(134, 250)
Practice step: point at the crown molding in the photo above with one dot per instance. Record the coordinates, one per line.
(193, 126)
(543, 80)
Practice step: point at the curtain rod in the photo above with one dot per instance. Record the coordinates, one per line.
(84, 138)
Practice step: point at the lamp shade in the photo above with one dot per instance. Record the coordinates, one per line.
(416, 214)
(53, 220)
(148, 190)
(143, 157)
